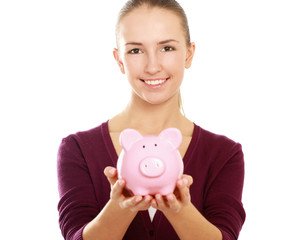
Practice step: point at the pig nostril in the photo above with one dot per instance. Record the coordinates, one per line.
(151, 167)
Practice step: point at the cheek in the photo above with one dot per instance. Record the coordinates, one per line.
(174, 64)
(133, 66)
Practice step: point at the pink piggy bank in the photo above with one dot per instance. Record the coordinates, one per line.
(150, 164)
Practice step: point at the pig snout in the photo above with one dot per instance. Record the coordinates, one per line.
(152, 167)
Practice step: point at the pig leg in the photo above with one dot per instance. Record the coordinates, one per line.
(166, 190)
(141, 191)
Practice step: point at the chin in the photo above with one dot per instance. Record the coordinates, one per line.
(158, 101)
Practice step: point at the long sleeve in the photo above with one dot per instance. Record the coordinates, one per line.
(216, 164)
(223, 206)
(83, 188)
(78, 204)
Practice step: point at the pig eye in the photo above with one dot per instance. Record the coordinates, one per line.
(144, 146)
(155, 145)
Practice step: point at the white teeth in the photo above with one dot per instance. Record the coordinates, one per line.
(154, 82)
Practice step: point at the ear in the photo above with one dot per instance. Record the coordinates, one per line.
(118, 60)
(172, 135)
(190, 55)
(128, 137)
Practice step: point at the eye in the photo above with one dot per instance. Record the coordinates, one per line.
(135, 51)
(144, 146)
(155, 145)
(167, 49)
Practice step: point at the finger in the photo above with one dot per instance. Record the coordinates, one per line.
(117, 189)
(144, 204)
(183, 188)
(110, 171)
(131, 202)
(160, 201)
(187, 179)
(153, 203)
(111, 174)
(148, 199)
(173, 203)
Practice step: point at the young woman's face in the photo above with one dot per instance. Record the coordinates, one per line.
(153, 53)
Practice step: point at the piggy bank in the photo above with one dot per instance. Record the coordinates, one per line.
(150, 164)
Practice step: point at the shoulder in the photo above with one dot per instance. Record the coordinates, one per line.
(83, 140)
(88, 136)
(90, 150)
(215, 141)
(220, 155)
(216, 149)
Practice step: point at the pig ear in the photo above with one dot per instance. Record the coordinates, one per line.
(172, 135)
(128, 137)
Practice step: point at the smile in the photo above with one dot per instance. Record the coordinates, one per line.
(155, 82)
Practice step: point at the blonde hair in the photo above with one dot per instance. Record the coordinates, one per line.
(170, 5)
(180, 103)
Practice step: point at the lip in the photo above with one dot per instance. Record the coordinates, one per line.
(154, 82)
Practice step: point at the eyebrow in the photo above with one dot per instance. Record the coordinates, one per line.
(159, 43)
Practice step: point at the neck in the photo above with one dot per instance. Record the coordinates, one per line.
(152, 118)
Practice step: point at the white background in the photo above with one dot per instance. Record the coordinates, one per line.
(58, 76)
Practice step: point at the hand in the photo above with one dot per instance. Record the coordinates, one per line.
(174, 202)
(122, 196)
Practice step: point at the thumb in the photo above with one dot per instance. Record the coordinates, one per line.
(111, 174)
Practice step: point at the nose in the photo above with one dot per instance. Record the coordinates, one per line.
(152, 167)
(153, 65)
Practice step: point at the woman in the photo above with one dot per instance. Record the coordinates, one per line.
(153, 49)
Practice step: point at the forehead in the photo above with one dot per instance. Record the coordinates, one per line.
(150, 24)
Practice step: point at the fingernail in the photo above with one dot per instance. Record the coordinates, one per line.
(170, 198)
(121, 182)
(158, 197)
(180, 183)
(112, 171)
(185, 181)
(147, 199)
(138, 198)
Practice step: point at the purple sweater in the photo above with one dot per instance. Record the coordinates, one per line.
(215, 163)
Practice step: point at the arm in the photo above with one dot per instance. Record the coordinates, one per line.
(191, 224)
(79, 214)
(187, 221)
(223, 214)
(113, 221)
